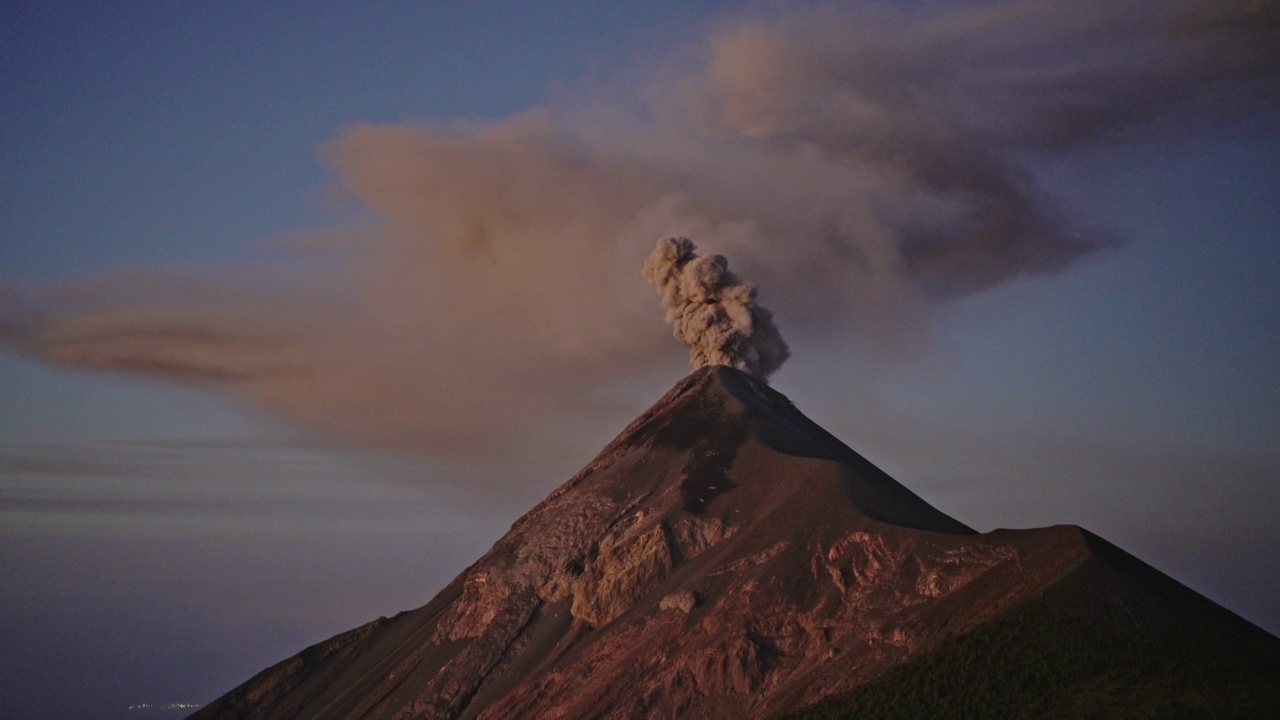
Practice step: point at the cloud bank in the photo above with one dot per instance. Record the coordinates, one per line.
(859, 163)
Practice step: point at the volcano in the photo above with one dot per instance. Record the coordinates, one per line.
(725, 557)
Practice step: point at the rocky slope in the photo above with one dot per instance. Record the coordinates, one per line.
(725, 557)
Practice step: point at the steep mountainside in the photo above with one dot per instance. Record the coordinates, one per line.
(725, 557)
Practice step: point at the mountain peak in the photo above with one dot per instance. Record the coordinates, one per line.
(740, 438)
(725, 557)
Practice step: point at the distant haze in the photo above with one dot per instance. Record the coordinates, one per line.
(863, 165)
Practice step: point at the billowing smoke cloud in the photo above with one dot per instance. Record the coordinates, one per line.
(863, 165)
(713, 311)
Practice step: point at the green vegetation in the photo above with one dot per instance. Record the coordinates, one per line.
(1058, 658)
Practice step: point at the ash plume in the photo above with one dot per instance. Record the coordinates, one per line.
(866, 164)
(713, 311)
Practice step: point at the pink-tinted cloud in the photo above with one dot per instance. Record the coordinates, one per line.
(858, 165)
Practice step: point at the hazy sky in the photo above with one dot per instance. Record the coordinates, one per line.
(372, 276)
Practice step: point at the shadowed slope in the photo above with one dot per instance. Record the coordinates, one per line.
(724, 557)
(1113, 639)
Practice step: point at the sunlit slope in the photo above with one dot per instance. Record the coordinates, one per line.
(725, 557)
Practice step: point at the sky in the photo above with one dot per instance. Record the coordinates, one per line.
(302, 307)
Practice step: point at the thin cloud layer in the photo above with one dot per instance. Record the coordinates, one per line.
(858, 164)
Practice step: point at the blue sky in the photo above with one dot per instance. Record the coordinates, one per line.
(1136, 391)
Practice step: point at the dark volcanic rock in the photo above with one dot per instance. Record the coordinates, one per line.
(725, 557)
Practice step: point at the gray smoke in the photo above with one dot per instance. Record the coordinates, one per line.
(713, 311)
